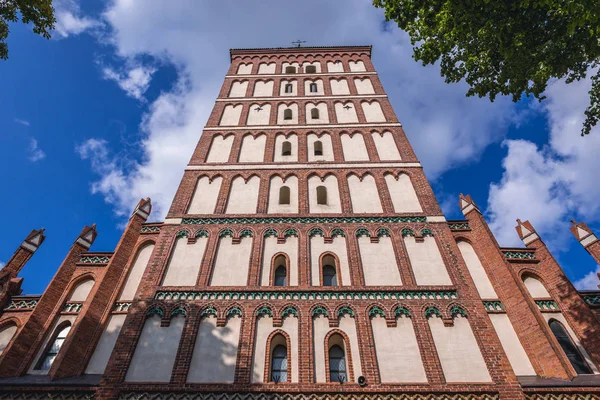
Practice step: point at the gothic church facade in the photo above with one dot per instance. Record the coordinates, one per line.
(304, 256)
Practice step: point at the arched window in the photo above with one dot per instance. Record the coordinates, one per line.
(329, 271)
(54, 347)
(286, 148)
(279, 364)
(289, 88)
(284, 195)
(314, 113)
(280, 276)
(311, 69)
(321, 195)
(287, 113)
(318, 148)
(569, 348)
(290, 70)
(313, 87)
(337, 364)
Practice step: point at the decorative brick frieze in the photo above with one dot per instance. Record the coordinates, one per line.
(95, 259)
(22, 304)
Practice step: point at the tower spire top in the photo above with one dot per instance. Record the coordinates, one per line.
(299, 42)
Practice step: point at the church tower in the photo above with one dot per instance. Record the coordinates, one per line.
(304, 255)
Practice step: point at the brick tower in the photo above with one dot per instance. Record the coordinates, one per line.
(304, 257)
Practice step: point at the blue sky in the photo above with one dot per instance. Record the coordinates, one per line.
(109, 110)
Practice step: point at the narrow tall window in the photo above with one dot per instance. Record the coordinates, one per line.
(314, 113)
(280, 276)
(290, 70)
(279, 364)
(569, 348)
(313, 88)
(287, 114)
(337, 364)
(329, 270)
(48, 358)
(286, 148)
(321, 195)
(289, 88)
(318, 148)
(284, 195)
(310, 69)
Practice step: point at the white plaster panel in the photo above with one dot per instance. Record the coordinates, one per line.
(135, 273)
(259, 114)
(364, 86)
(294, 84)
(156, 350)
(263, 89)
(357, 66)
(184, 264)
(386, 146)
(51, 334)
(215, 351)
(232, 262)
(290, 64)
(458, 351)
(205, 195)
(332, 66)
(338, 247)
(264, 328)
(348, 326)
(316, 64)
(231, 115)
(345, 115)
(364, 194)
(266, 68)
(281, 108)
(243, 196)
(560, 318)
(535, 287)
(354, 148)
(379, 262)
(320, 329)
(6, 334)
(339, 86)
(323, 114)
(238, 89)
(106, 344)
(373, 112)
(82, 290)
(279, 139)
(426, 260)
(512, 345)
(327, 147)
(333, 195)
(398, 356)
(480, 277)
(220, 149)
(290, 247)
(320, 91)
(403, 194)
(253, 148)
(244, 69)
(274, 207)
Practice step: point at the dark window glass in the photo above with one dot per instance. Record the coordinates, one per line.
(569, 348)
(279, 364)
(318, 148)
(287, 113)
(311, 69)
(329, 276)
(313, 88)
(290, 70)
(286, 149)
(289, 88)
(280, 276)
(337, 364)
(314, 113)
(321, 195)
(48, 358)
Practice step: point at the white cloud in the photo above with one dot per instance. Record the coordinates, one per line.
(69, 20)
(445, 128)
(22, 122)
(2, 264)
(35, 153)
(134, 81)
(552, 184)
(588, 282)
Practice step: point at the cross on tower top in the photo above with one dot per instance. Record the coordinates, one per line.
(299, 42)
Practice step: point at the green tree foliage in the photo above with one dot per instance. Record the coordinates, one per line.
(39, 12)
(506, 47)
